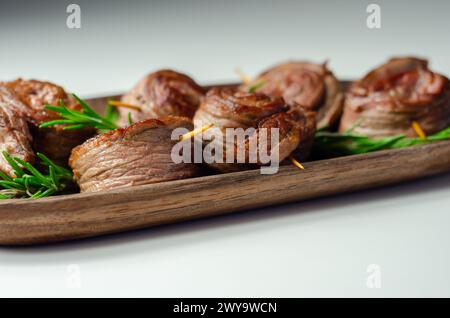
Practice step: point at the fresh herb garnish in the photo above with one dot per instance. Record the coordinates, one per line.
(74, 119)
(255, 86)
(348, 143)
(130, 120)
(29, 182)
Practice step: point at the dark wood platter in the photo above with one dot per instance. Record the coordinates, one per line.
(75, 216)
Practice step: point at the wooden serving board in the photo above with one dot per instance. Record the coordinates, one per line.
(75, 216)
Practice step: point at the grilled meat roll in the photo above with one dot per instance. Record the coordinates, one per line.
(15, 136)
(311, 86)
(135, 155)
(388, 99)
(162, 93)
(231, 108)
(54, 142)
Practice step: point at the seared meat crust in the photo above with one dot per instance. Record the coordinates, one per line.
(15, 137)
(232, 108)
(388, 99)
(308, 85)
(162, 93)
(54, 142)
(135, 155)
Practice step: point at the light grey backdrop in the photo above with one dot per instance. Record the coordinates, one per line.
(122, 40)
(317, 248)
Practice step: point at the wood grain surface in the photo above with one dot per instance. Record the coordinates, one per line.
(77, 216)
(83, 215)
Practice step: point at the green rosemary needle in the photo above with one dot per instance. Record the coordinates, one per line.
(347, 143)
(87, 117)
(130, 120)
(29, 182)
(256, 85)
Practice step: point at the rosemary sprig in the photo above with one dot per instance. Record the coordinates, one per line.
(29, 182)
(130, 120)
(348, 143)
(74, 119)
(111, 113)
(255, 86)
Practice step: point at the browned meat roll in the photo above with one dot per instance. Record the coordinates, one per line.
(138, 154)
(15, 137)
(231, 108)
(390, 98)
(54, 142)
(163, 93)
(311, 86)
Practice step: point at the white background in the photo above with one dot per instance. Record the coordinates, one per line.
(315, 248)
